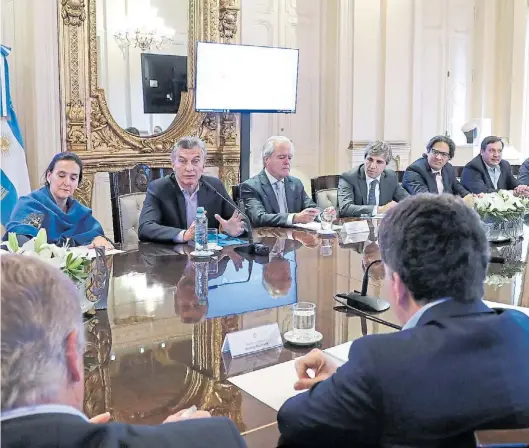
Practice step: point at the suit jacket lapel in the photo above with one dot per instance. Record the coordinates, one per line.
(363, 185)
(488, 180)
(385, 195)
(290, 193)
(181, 202)
(446, 185)
(269, 191)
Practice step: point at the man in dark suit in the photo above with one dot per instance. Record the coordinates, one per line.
(523, 176)
(456, 366)
(273, 198)
(43, 374)
(371, 188)
(169, 211)
(433, 173)
(487, 172)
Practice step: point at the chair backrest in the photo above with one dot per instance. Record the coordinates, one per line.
(325, 190)
(127, 192)
(518, 438)
(236, 196)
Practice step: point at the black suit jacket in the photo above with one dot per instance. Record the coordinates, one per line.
(352, 191)
(463, 367)
(476, 177)
(418, 178)
(261, 203)
(69, 431)
(163, 215)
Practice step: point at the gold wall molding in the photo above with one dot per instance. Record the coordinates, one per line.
(88, 127)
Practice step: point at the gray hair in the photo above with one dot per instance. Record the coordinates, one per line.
(188, 143)
(270, 145)
(378, 148)
(40, 308)
(437, 246)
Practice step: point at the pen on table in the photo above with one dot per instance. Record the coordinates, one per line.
(189, 412)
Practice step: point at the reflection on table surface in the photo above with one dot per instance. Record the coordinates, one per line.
(157, 348)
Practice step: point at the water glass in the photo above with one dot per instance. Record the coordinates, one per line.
(327, 218)
(213, 238)
(303, 321)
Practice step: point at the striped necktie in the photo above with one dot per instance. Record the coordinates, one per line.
(371, 198)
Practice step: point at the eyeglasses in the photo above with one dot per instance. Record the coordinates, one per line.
(444, 155)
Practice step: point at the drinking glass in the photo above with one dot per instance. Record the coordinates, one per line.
(303, 321)
(213, 238)
(327, 218)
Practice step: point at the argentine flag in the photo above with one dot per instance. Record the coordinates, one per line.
(14, 178)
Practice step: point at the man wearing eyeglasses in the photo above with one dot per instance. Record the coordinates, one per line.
(487, 172)
(432, 173)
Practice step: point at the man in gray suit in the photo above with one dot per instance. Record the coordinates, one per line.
(273, 198)
(371, 188)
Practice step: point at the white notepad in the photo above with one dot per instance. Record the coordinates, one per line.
(314, 226)
(275, 385)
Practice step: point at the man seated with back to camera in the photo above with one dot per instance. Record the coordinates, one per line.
(488, 172)
(274, 198)
(42, 350)
(372, 188)
(170, 207)
(433, 173)
(455, 367)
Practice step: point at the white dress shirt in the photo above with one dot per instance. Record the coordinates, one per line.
(439, 181)
(282, 192)
(377, 192)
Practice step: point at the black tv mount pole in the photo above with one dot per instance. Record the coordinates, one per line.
(245, 145)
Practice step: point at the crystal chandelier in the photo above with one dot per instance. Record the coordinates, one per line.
(144, 30)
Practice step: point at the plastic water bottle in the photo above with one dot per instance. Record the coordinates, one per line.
(201, 231)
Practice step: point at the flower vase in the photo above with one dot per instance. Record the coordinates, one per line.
(95, 287)
(498, 231)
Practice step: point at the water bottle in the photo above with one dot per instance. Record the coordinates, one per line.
(201, 231)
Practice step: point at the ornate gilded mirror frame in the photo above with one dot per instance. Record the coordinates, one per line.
(87, 126)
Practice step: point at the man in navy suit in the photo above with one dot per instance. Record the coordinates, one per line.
(170, 207)
(487, 172)
(274, 198)
(43, 375)
(455, 367)
(523, 177)
(371, 188)
(432, 173)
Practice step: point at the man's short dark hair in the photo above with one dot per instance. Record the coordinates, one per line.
(437, 246)
(489, 140)
(442, 139)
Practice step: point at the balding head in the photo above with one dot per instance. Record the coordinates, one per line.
(42, 335)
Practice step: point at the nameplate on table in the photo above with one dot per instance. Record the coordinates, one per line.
(253, 340)
(356, 227)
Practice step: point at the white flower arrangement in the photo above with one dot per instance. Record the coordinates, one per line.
(501, 206)
(74, 264)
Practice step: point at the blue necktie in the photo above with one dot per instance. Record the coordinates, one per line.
(371, 198)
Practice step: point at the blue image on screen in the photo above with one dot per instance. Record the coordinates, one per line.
(237, 292)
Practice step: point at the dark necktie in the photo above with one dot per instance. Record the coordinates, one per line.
(371, 198)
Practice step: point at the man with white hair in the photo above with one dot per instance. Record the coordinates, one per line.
(273, 198)
(170, 207)
(43, 373)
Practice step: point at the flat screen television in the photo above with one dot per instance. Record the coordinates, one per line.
(245, 78)
(164, 78)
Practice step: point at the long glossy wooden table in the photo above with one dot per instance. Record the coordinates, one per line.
(156, 349)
